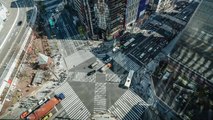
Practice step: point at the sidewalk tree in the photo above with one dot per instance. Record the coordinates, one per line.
(81, 30)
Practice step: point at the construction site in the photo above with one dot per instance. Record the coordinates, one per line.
(33, 71)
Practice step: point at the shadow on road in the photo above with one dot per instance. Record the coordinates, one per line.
(21, 4)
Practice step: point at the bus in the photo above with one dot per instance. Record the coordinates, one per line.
(129, 79)
(129, 42)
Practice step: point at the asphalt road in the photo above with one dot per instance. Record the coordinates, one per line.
(12, 42)
(65, 20)
(10, 19)
(145, 48)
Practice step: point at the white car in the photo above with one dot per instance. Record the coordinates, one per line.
(149, 49)
(42, 101)
(141, 56)
(133, 45)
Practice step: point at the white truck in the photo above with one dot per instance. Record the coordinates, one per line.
(93, 65)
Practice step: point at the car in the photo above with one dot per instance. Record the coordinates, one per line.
(184, 18)
(149, 32)
(42, 101)
(24, 114)
(133, 45)
(141, 56)
(47, 116)
(107, 59)
(19, 23)
(91, 72)
(149, 49)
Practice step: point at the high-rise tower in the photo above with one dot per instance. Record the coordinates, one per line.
(102, 18)
(195, 46)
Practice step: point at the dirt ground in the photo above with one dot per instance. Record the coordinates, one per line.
(23, 87)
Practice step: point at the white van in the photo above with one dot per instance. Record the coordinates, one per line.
(141, 56)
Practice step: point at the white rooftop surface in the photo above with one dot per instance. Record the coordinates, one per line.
(42, 59)
(3, 12)
(3, 15)
(78, 58)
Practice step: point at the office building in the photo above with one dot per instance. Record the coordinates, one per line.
(152, 5)
(102, 19)
(195, 46)
(131, 11)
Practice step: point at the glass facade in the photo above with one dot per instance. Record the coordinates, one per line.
(195, 46)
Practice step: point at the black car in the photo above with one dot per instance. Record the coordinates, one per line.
(107, 59)
(91, 72)
(19, 23)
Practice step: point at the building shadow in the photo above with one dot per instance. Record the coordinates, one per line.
(21, 4)
(141, 112)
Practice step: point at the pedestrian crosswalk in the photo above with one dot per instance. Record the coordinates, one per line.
(125, 62)
(73, 106)
(71, 46)
(129, 106)
(81, 77)
(114, 78)
(100, 98)
(61, 115)
(68, 47)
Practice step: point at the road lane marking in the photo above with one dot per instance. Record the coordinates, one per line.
(1, 46)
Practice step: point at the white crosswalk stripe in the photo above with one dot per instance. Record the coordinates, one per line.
(125, 62)
(114, 78)
(73, 106)
(62, 114)
(99, 65)
(81, 77)
(69, 46)
(100, 97)
(129, 106)
(72, 46)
